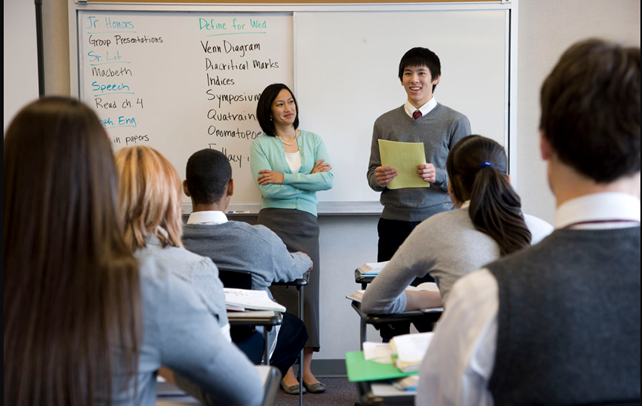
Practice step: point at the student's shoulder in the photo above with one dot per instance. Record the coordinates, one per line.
(155, 275)
(445, 221)
(179, 260)
(391, 115)
(451, 114)
(257, 230)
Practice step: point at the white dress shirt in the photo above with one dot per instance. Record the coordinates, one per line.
(460, 360)
(425, 109)
(213, 218)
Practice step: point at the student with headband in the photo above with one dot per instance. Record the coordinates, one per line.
(487, 225)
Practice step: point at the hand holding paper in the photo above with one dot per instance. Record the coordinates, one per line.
(427, 172)
(404, 157)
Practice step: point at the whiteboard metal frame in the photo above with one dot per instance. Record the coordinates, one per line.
(326, 208)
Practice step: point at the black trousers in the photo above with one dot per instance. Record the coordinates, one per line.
(392, 233)
(291, 340)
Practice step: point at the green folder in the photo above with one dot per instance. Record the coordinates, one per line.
(359, 369)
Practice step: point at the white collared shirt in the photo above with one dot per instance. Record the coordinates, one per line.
(425, 109)
(207, 217)
(460, 360)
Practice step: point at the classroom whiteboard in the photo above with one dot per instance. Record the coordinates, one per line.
(184, 80)
(347, 76)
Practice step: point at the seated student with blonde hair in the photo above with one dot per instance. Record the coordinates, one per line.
(150, 204)
(85, 323)
(488, 224)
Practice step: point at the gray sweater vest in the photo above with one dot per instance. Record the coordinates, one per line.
(569, 320)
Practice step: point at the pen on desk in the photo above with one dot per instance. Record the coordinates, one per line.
(238, 211)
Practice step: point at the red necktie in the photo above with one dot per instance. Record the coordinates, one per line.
(416, 114)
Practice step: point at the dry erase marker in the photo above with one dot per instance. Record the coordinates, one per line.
(238, 212)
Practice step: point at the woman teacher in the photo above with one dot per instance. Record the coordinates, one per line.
(290, 166)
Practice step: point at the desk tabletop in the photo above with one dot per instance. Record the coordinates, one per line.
(395, 317)
(255, 318)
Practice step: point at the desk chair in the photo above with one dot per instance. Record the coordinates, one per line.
(299, 284)
(379, 319)
(169, 395)
(243, 280)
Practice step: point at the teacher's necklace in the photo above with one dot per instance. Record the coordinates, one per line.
(285, 143)
(291, 143)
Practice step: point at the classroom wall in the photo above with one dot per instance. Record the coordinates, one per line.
(546, 28)
(20, 57)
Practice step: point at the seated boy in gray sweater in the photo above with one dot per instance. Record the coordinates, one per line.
(238, 246)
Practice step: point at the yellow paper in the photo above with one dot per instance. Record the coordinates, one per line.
(404, 157)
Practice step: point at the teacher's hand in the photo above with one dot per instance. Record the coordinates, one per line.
(427, 172)
(385, 174)
(267, 177)
(320, 167)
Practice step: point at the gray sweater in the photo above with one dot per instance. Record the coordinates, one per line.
(568, 323)
(181, 334)
(439, 130)
(238, 246)
(447, 246)
(200, 272)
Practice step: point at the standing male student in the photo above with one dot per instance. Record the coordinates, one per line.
(420, 119)
(559, 322)
(439, 128)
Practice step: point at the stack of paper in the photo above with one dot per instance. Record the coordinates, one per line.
(251, 299)
(408, 383)
(372, 268)
(428, 286)
(408, 350)
(357, 296)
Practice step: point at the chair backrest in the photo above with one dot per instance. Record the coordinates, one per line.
(235, 279)
(272, 383)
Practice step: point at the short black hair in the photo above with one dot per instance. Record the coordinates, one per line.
(264, 108)
(207, 174)
(591, 109)
(421, 57)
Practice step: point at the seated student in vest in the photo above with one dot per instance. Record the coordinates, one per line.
(238, 246)
(559, 323)
(488, 224)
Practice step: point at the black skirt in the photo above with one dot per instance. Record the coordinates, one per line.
(299, 231)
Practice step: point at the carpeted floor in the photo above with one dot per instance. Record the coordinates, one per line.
(339, 392)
